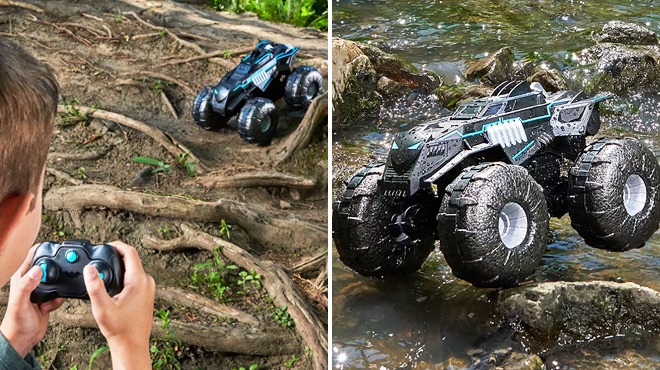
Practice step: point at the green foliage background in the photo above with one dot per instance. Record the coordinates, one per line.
(301, 13)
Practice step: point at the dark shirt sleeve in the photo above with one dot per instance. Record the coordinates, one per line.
(11, 360)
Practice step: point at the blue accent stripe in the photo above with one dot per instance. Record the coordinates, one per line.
(483, 129)
(246, 58)
(394, 146)
(287, 54)
(261, 43)
(415, 146)
(523, 150)
(262, 58)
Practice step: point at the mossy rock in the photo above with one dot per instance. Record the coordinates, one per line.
(451, 96)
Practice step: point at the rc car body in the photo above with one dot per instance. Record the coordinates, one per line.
(485, 180)
(262, 77)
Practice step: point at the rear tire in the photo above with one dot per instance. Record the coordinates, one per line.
(303, 85)
(257, 122)
(363, 230)
(493, 225)
(203, 113)
(613, 194)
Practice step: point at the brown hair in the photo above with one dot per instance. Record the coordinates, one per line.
(28, 103)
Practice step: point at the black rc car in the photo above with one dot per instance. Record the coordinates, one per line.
(485, 181)
(262, 78)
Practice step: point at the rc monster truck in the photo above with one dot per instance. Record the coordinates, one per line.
(260, 79)
(485, 181)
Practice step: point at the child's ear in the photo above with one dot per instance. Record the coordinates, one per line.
(12, 211)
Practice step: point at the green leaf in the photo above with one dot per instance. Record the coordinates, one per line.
(254, 367)
(96, 354)
(148, 160)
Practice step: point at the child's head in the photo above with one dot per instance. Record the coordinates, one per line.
(28, 103)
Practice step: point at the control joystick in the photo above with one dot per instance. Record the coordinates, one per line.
(63, 264)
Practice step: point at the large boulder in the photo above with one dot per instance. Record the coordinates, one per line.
(354, 79)
(493, 69)
(626, 33)
(572, 312)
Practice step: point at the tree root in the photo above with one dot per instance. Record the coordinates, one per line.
(64, 29)
(62, 176)
(183, 43)
(214, 54)
(168, 104)
(174, 147)
(189, 299)
(311, 266)
(299, 139)
(86, 156)
(216, 339)
(254, 179)
(275, 280)
(19, 4)
(281, 235)
(161, 76)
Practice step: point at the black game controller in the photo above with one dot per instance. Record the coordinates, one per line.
(63, 265)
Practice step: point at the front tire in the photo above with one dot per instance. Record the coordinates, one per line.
(493, 225)
(303, 85)
(613, 194)
(257, 122)
(203, 111)
(366, 231)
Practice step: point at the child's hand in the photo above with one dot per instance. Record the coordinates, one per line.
(125, 319)
(25, 323)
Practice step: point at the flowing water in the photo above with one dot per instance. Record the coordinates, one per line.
(432, 319)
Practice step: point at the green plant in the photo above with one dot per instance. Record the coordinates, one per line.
(244, 277)
(73, 116)
(182, 160)
(44, 218)
(302, 13)
(163, 230)
(252, 367)
(163, 357)
(227, 54)
(224, 230)
(94, 229)
(96, 354)
(81, 173)
(291, 361)
(160, 165)
(162, 33)
(308, 351)
(280, 315)
(74, 367)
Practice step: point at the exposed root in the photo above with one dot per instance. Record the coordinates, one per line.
(145, 35)
(275, 280)
(299, 139)
(169, 105)
(214, 54)
(283, 235)
(96, 32)
(62, 176)
(189, 299)
(312, 266)
(184, 43)
(161, 76)
(322, 279)
(164, 139)
(91, 16)
(19, 4)
(253, 179)
(63, 29)
(86, 156)
(217, 339)
(132, 82)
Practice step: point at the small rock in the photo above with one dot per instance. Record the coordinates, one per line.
(626, 33)
(111, 125)
(390, 89)
(493, 69)
(523, 361)
(142, 176)
(285, 205)
(295, 195)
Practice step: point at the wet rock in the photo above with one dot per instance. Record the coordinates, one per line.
(390, 89)
(493, 69)
(620, 68)
(626, 33)
(550, 78)
(570, 312)
(354, 95)
(452, 96)
(523, 361)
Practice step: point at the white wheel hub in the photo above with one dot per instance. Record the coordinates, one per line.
(634, 194)
(311, 91)
(512, 225)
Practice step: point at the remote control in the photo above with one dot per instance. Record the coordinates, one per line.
(63, 266)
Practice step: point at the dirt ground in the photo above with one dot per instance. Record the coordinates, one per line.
(89, 68)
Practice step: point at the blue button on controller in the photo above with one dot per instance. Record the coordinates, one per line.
(43, 269)
(71, 256)
(102, 276)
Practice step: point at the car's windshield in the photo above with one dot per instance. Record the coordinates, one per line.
(469, 110)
